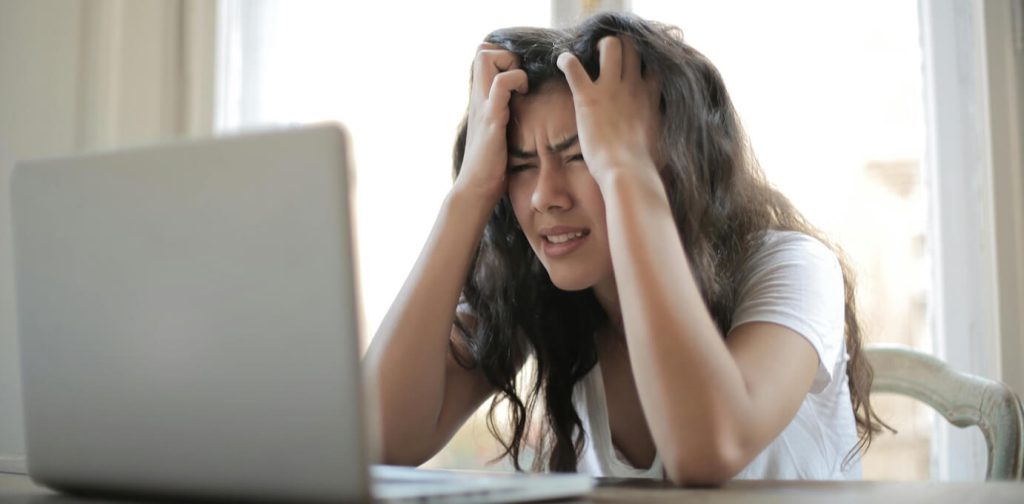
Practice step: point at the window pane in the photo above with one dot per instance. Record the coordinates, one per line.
(831, 96)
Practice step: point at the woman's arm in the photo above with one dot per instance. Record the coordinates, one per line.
(711, 404)
(424, 394)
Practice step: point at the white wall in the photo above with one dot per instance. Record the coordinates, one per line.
(81, 75)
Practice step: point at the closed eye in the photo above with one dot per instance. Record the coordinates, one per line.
(513, 169)
(577, 157)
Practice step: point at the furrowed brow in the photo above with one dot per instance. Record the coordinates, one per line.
(559, 147)
(565, 144)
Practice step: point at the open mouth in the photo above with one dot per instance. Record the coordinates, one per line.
(566, 237)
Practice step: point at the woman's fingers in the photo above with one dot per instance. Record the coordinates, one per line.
(574, 72)
(496, 75)
(490, 61)
(503, 85)
(630, 59)
(609, 51)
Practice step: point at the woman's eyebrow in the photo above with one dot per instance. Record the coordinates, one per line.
(559, 147)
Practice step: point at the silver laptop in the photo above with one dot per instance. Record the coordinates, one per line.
(188, 327)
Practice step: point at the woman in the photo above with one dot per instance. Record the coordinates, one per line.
(608, 219)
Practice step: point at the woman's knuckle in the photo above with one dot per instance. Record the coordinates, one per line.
(478, 65)
(505, 81)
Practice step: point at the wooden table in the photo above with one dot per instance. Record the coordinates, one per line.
(17, 489)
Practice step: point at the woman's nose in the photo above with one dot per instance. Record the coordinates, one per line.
(552, 190)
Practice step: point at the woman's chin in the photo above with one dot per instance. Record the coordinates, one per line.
(571, 282)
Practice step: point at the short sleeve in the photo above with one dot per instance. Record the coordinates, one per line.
(795, 281)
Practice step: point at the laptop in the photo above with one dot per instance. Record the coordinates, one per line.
(188, 325)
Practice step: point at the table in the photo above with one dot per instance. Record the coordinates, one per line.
(18, 489)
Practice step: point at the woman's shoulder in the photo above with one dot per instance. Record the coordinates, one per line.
(796, 281)
(783, 246)
(783, 260)
(773, 240)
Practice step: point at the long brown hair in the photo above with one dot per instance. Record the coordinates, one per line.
(722, 205)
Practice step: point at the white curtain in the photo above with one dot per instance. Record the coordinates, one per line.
(85, 75)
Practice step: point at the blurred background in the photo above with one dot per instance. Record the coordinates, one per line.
(894, 125)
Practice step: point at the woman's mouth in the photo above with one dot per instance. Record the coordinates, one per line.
(561, 242)
(562, 238)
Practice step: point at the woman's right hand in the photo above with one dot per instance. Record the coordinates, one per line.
(496, 74)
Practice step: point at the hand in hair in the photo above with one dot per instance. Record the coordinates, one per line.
(617, 115)
(496, 74)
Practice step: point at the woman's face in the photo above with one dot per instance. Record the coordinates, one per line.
(556, 201)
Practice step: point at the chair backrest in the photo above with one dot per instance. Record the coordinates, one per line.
(961, 398)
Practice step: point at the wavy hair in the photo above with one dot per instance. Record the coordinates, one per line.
(720, 200)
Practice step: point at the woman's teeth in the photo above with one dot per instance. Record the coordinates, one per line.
(562, 238)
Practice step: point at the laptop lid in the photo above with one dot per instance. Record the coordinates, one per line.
(188, 319)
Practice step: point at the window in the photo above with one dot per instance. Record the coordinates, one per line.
(831, 96)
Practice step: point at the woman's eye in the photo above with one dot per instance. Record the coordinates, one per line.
(577, 157)
(519, 168)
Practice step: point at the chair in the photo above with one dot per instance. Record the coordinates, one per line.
(961, 398)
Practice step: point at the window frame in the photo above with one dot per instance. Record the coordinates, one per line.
(972, 172)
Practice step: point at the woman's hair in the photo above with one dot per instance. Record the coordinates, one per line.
(722, 205)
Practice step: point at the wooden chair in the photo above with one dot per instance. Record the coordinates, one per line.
(961, 398)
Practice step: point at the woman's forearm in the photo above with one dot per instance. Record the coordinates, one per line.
(691, 389)
(407, 357)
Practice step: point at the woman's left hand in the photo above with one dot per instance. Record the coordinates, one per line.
(617, 115)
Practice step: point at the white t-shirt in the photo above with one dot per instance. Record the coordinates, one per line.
(795, 281)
